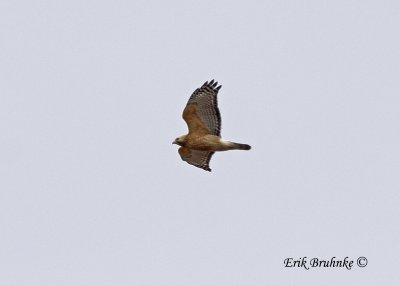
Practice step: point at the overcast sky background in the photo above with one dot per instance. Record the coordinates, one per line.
(93, 193)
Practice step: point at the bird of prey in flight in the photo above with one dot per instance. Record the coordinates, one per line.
(203, 119)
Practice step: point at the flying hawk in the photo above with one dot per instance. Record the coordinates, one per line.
(203, 119)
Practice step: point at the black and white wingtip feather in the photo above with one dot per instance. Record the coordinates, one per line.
(212, 84)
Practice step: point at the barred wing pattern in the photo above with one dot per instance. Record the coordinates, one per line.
(200, 159)
(201, 113)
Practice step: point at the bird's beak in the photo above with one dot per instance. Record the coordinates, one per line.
(174, 142)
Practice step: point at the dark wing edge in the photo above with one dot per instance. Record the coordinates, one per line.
(206, 100)
(199, 159)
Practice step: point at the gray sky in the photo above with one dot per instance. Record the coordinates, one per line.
(93, 193)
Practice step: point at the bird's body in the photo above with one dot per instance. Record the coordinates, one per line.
(204, 122)
(210, 143)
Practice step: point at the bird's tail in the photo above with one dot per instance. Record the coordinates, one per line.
(240, 146)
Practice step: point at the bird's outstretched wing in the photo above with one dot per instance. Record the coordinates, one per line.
(201, 112)
(200, 159)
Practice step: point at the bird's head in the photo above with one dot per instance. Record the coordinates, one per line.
(180, 140)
